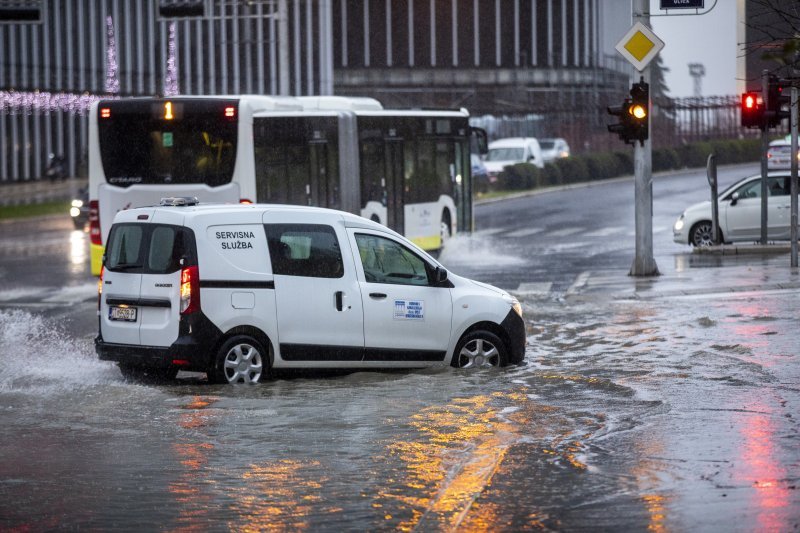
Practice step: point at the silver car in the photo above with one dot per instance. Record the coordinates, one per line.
(739, 213)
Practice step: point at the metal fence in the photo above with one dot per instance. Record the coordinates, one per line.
(674, 122)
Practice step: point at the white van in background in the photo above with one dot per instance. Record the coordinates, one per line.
(510, 151)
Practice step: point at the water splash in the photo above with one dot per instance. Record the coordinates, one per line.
(36, 354)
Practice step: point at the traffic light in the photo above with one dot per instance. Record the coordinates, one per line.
(634, 114)
(640, 111)
(752, 110)
(622, 128)
(775, 101)
(181, 8)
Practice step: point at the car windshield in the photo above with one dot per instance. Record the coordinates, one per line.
(547, 145)
(505, 154)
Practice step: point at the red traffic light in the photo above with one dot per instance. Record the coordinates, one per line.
(752, 110)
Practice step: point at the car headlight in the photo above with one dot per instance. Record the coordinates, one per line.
(679, 224)
(515, 305)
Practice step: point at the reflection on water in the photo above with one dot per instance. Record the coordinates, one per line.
(760, 466)
(456, 450)
(78, 251)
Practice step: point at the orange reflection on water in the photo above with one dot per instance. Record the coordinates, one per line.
(281, 495)
(462, 445)
(193, 456)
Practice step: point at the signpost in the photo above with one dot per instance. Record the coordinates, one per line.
(711, 174)
(639, 46)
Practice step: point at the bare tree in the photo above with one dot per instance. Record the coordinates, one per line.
(773, 34)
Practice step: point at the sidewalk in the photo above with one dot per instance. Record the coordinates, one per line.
(696, 274)
(39, 192)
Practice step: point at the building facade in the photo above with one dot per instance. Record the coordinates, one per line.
(499, 57)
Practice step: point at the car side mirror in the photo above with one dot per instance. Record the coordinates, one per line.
(439, 275)
(734, 198)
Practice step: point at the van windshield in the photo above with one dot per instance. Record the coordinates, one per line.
(505, 154)
(147, 248)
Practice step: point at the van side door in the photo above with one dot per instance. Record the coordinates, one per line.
(318, 300)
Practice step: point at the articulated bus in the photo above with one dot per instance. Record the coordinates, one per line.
(407, 169)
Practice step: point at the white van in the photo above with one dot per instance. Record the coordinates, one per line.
(235, 290)
(510, 151)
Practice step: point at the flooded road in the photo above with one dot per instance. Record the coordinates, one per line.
(643, 409)
(673, 414)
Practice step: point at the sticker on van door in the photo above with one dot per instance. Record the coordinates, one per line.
(409, 309)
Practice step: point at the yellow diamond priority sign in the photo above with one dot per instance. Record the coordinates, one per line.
(639, 46)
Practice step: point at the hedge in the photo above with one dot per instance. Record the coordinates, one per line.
(604, 165)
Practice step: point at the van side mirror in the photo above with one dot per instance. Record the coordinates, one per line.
(734, 198)
(439, 275)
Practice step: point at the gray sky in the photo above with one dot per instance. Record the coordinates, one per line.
(709, 39)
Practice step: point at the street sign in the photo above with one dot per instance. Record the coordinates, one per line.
(682, 4)
(639, 46)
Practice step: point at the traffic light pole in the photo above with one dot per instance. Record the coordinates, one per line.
(793, 186)
(644, 264)
(764, 149)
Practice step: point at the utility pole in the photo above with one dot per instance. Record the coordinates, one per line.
(793, 186)
(764, 149)
(644, 264)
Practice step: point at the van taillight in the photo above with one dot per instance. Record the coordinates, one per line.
(100, 287)
(190, 290)
(94, 223)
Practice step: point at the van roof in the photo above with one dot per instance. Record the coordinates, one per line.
(191, 211)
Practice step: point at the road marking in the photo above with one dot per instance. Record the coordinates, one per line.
(605, 232)
(73, 294)
(527, 232)
(564, 232)
(534, 289)
(579, 282)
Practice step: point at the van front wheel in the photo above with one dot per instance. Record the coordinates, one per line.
(241, 359)
(480, 349)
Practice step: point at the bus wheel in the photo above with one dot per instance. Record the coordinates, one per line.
(445, 230)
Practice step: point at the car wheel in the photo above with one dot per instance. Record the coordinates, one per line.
(241, 359)
(480, 349)
(701, 234)
(143, 374)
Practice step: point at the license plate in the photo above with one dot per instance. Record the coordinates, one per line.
(125, 314)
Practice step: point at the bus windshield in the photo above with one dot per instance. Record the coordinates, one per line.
(196, 144)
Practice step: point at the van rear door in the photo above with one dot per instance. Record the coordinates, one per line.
(141, 303)
(122, 280)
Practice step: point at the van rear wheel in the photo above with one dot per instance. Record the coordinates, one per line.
(240, 359)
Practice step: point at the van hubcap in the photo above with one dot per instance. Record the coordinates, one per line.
(479, 353)
(243, 364)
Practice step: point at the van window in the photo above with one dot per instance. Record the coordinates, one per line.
(387, 261)
(124, 246)
(308, 250)
(148, 248)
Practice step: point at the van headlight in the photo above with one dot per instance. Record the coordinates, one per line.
(515, 305)
(678, 224)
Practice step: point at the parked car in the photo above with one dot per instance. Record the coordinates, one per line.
(779, 155)
(553, 149)
(510, 151)
(235, 290)
(739, 213)
(79, 210)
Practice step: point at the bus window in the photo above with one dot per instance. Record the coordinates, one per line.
(198, 148)
(372, 168)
